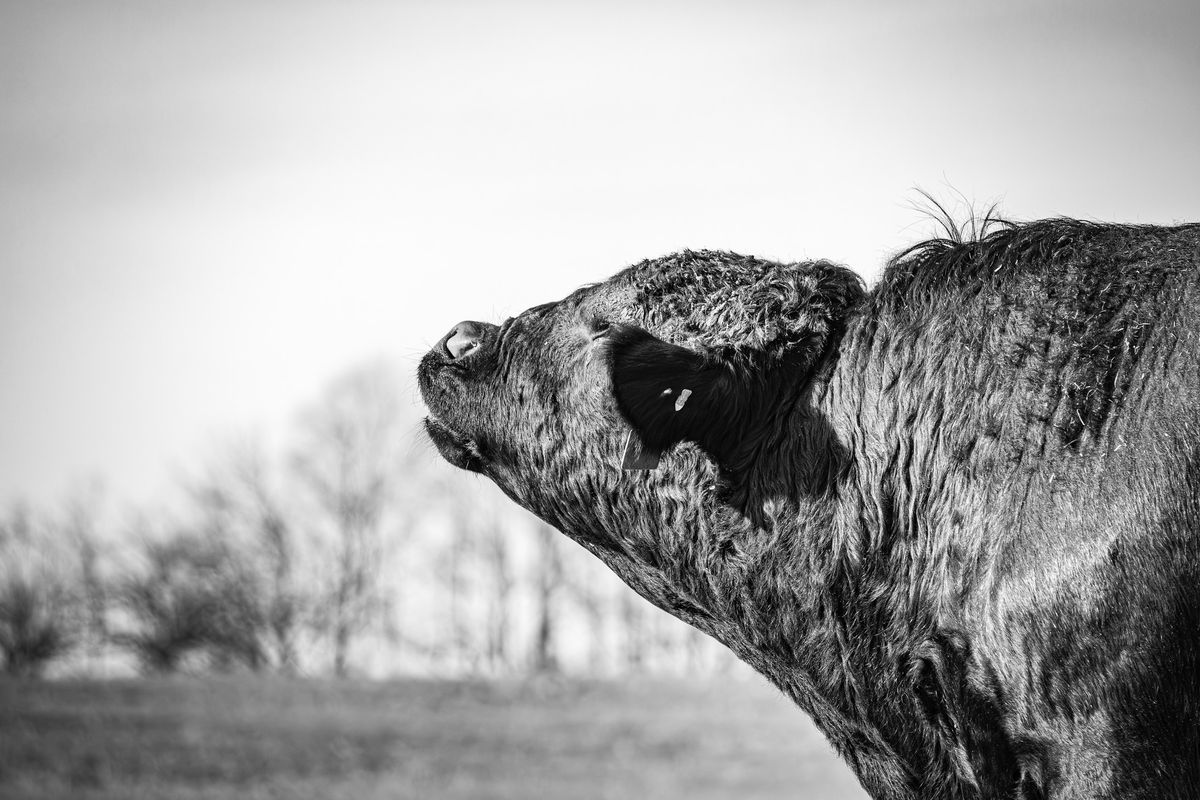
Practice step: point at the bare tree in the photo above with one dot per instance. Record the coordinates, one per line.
(632, 616)
(477, 578)
(497, 563)
(194, 595)
(240, 499)
(459, 645)
(32, 629)
(589, 588)
(348, 462)
(548, 581)
(40, 610)
(79, 527)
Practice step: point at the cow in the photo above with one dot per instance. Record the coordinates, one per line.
(955, 518)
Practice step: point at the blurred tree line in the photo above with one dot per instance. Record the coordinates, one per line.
(352, 550)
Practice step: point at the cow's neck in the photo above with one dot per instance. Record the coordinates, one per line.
(778, 587)
(804, 590)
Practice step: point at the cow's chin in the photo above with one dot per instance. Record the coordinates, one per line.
(455, 448)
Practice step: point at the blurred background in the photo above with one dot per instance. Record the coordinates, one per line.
(231, 565)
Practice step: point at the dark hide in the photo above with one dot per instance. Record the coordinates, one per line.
(955, 519)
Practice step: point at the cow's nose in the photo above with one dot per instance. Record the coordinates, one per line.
(462, 339)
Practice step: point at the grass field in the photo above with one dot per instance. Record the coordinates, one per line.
(251, 738)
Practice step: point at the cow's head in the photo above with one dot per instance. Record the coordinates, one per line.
(662, 391)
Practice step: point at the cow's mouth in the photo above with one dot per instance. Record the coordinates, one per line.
(454, 447)
(446, 376)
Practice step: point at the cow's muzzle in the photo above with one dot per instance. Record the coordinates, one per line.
(462, 340)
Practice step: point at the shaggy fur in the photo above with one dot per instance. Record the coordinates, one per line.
(955, 518)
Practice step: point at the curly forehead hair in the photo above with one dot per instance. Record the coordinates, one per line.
(763, 305)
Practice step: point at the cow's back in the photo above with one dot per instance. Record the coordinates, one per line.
(1027, 409)
(1098, 603)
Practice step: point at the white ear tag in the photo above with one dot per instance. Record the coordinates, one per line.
(683, 398)
(637, 456)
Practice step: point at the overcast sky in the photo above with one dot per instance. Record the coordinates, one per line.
(209, 209)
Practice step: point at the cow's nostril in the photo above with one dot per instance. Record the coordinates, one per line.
(463, 339)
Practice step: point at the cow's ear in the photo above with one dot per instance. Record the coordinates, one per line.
(669, 394)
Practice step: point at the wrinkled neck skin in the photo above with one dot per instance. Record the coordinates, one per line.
(791, 582)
